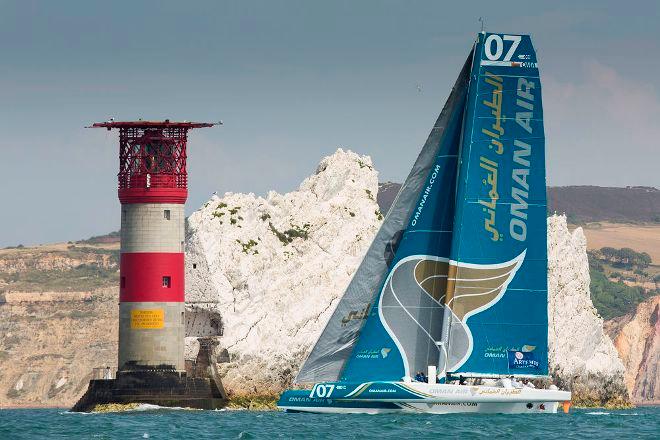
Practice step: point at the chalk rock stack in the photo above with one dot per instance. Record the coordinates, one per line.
(582, 357)
(264, 274)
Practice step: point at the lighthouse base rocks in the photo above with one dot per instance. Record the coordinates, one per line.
(198, 387)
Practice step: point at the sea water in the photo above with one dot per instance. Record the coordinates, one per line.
(158, 423)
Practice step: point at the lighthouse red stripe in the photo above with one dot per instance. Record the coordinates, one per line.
(153, 195)
(142, 277)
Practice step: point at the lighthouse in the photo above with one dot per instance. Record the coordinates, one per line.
(152, 190)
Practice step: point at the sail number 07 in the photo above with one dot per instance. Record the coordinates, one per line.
(496, 42)
(321, 390)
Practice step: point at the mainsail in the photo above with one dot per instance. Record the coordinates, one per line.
(335, 345)
(457, 274)
(496, 319)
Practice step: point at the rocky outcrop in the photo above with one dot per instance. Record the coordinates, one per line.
(50, 348)
(59, 267)
(581, 356)
(266, 273)
(35, 297)
(59, 257)
(637, 338)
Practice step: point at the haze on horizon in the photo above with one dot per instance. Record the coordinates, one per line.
(294, 80)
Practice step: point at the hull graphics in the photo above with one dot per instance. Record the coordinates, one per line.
(387, 397)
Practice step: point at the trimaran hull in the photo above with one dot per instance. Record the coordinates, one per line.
(389, 397)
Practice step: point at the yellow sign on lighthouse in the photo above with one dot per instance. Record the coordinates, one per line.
(147, 318)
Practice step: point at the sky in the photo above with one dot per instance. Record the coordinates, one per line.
(293, 81)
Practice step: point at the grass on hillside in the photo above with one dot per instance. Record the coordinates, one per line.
(83, 277)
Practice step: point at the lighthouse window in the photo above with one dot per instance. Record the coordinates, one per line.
(167, 282)
(122, 282)
(166, 214)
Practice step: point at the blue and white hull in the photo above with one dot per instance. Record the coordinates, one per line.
(389, 397)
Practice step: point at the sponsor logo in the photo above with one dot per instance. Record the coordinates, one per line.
(494, 355)
(498, 391)
(445, 391)
(501, 351)
(382, 390)
(456, 404)
(305, 400)
(425, 195)
(373, 353)
(522, 359)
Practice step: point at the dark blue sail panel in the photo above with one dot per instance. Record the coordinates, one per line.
(336, 344)
(498, 298)
(401, 334)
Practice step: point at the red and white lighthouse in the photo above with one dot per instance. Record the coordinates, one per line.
(153, 188)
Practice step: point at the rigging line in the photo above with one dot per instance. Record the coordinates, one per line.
(412, 307)
(432, 276)
(433, 231)
(478, 287)
(423, 289)
(408, 313)
(483, 279)
(443, 370)
(465, 295)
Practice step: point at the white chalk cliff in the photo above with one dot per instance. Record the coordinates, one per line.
(581, 355)
(263, 276)
(267, 273)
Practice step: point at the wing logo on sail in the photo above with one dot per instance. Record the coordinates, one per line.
(473, 288)
(412, 306)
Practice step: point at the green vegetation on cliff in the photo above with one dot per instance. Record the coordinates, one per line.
(613, 299)
(618, 280)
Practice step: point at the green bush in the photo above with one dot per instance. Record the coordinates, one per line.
(295, 231)
(614, 299)
(247, 247)
(625, 257)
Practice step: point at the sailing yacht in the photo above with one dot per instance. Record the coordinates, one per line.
(448, 310)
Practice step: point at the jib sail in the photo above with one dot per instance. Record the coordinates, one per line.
(361, 301)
